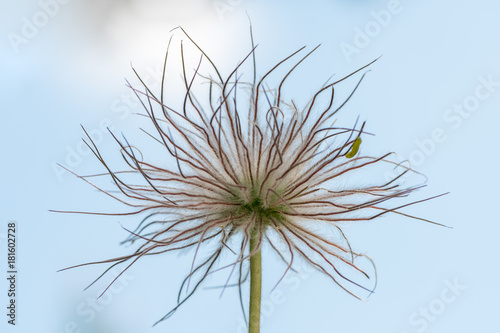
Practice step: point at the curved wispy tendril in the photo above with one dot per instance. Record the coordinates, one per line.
(250, 164)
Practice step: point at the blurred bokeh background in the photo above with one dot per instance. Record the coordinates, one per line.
(433, 97)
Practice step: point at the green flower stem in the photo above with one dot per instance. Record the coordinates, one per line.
(255, 287)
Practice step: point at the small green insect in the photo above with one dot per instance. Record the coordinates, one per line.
(354, 148)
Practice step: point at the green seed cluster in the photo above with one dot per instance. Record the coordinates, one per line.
(264, 212)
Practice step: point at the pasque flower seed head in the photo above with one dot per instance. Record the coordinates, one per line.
(251, 168)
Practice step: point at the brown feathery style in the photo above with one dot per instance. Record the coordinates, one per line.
(250, 168)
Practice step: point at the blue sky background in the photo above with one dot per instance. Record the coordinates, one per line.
(70, 70)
